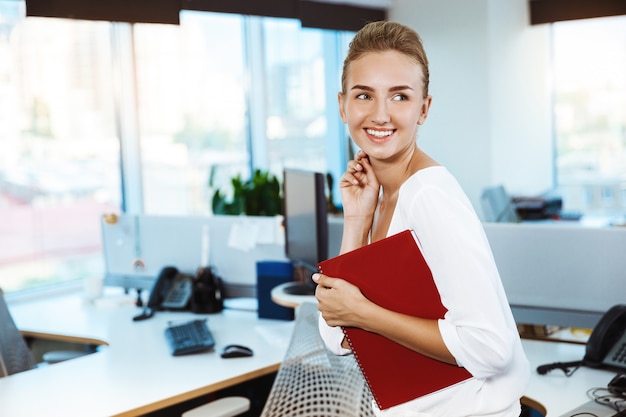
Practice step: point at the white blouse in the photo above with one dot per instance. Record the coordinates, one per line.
(478, 328)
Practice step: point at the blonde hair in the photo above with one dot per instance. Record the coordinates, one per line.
(384, 36)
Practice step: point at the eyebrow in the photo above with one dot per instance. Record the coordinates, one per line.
(392, 89)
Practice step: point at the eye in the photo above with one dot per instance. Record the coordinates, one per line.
(399, 97)
(363, 96)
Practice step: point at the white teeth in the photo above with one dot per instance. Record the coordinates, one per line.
(378, 133)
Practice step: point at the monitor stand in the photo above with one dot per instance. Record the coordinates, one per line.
(302, 282)
(298, 288)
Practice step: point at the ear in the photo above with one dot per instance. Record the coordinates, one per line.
(424, 110)
(341, 102)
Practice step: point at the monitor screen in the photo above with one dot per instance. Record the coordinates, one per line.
(306, 219)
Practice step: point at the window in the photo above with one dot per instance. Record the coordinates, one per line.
(294, 111)
(99, 117)
(192, 109)
(223, 94)
(590, 114)
(59, 165)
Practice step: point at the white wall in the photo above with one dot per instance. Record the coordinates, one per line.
(490, 119)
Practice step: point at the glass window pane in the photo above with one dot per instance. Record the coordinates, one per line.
(590, 113)
(59, 165)
(295, 111)
(192, 110)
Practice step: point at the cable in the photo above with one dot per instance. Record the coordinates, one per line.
(566, 367)
(611, 400)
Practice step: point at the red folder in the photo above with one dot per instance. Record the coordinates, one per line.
(393, 274)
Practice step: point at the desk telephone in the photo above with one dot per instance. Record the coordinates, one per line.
(177, 291)
(606, 347)
(171, 291)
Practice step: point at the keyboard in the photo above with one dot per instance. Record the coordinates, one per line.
(189, 337)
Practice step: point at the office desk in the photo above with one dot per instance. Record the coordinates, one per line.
(135, 373)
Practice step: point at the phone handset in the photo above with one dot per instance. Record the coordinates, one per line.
(163, 291)
(607, 344)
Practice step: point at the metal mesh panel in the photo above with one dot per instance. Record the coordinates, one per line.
(314, 382)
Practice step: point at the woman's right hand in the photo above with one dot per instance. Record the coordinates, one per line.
(359, 188)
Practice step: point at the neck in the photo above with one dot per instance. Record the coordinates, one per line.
(393, 173)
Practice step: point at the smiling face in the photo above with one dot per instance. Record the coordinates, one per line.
(383, 103)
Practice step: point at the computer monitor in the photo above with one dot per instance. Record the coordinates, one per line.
(306, 219)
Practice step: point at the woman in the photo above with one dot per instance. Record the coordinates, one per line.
(392, 185)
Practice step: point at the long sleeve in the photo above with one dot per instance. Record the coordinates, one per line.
(332, 337)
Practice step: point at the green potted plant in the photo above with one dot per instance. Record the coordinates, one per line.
(258, 196)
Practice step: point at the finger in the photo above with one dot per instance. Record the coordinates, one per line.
(354, 166)
(323, 280)
(364, 161)
(348, 178)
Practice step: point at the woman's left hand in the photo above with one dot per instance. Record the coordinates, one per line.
(339, 301)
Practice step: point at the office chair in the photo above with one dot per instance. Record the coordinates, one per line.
(14, 353)
(312, 381)
(15, 356)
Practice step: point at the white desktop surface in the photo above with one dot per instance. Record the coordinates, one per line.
(557, 392)
(135, 373)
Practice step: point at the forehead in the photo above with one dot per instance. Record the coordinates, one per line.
(384, 68)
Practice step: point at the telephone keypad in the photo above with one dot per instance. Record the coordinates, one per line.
(617, 354)
(620, 353)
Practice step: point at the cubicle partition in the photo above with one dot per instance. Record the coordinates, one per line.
(557, 273)
(560, 273)
(137, 247)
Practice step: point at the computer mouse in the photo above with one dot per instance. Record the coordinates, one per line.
(236, 351)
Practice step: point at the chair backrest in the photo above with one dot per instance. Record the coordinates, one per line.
(498, 206)
(313, 382)
(14, 353)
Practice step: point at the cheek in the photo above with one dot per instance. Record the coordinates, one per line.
(407, 117)
(354, 113)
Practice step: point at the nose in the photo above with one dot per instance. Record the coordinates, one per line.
(380, 114)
